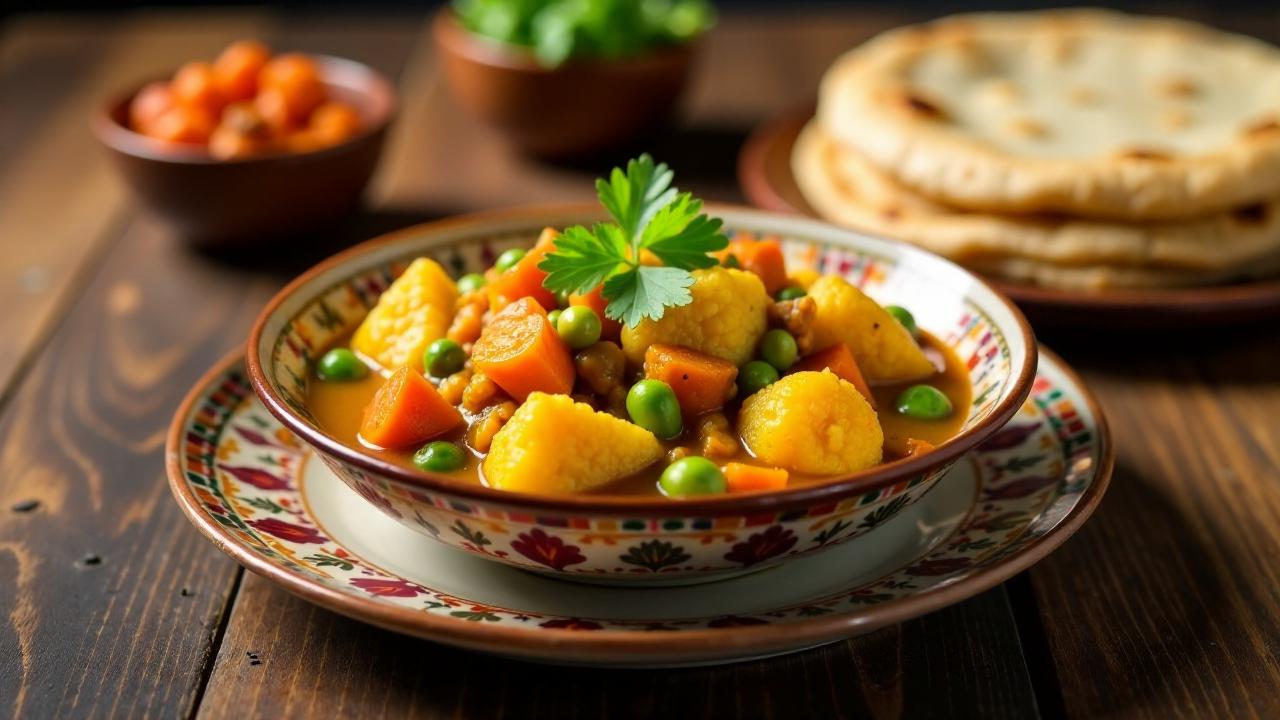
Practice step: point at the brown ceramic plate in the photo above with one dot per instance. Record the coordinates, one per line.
(261, 495)
(764, 172)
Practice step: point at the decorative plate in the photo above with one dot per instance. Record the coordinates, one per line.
(764, 173)
(260, 494)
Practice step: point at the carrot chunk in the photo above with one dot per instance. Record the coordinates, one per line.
(839, 360)
(525, 278)
(741, 477)
(702, 382)
(762, 257)
(407, 411)
(521, 352)
(609, 329)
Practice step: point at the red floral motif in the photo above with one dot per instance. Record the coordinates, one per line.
(940, 566)
(571, 624)
(762, 546)
(730, 621)
(549, 550)
(386, 587)
(370, 493)
(288, 531)
(1011, 436)
(260, 479)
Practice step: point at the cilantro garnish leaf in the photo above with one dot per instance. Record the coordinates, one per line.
(646, 292)
(633, 197)
(681, 237)
(649, 214)
(583, 258)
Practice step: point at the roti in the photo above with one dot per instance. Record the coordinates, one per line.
(1083, 112)
(846, 188)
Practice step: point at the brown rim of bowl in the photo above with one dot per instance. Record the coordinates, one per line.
(771, 638)
(452, 36)
(380, 102)
(1260, 297)
(833, 489)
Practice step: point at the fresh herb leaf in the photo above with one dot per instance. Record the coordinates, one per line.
(559, 30)
(583, 258)
(681, 236)
(634, 197)
(650, 214)
(646, 292)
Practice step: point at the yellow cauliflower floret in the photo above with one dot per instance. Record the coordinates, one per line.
(413, 312)
(884, 349)
(726, 318)
(804, 277)
(812, 422)
(555, 445)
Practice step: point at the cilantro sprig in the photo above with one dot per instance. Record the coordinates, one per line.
(650, 214)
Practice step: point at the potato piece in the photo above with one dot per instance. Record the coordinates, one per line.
(557, 446)
(414, 311)
(726, 319)
(812, 422)
(885, 351)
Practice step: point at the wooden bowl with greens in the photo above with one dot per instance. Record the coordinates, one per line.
(568, 79)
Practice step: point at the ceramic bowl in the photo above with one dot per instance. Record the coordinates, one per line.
(582, 107)
(228, 203)
(636, 540)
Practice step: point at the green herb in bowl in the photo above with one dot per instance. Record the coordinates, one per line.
(556, 30)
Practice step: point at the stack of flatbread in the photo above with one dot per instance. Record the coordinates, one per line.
(1072, 149)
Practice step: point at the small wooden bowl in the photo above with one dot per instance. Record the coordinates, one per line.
(233, 203)
(583, 107)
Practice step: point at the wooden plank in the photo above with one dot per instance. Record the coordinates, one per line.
(112, 602)
(282, 657)
(1166, 603)
(59, 196)
(312, 662)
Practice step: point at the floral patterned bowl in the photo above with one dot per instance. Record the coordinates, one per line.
(634, 540)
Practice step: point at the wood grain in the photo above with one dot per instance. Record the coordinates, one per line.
(1166, 604)
(60, 198)
(113, 602)
(283, 657)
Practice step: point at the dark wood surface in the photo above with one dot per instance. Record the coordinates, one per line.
(1166, 604)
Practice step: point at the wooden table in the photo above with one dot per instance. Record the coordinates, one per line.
(111, 605)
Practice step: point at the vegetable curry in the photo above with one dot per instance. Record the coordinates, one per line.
(648, 356)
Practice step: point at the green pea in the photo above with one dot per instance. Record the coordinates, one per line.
(923, 402)
(562, 297)
(778, 348)
(692, 476)
(443, 358)
(439, 456)
(791, 293)
(553, 317)
(903, 316)
(470, 282)
(652, 405)
(340, 364)
(579, 326)
(754, 376)
(731, 261)
(508, 259)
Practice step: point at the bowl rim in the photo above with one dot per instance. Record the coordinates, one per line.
(452, 37)
(834, 489)
(125, 140)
